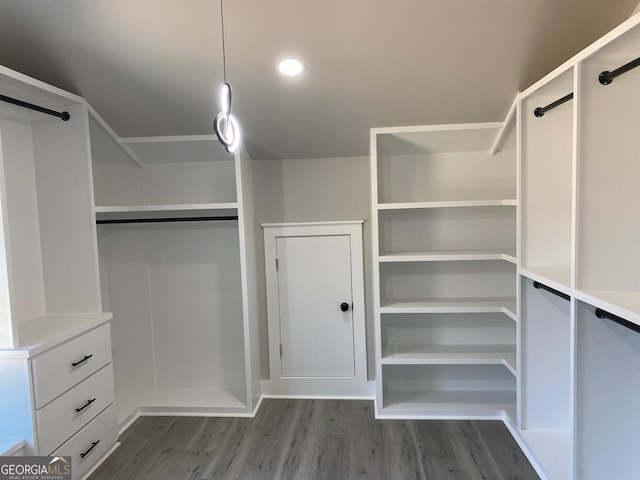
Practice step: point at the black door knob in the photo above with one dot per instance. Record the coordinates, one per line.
(344, 306)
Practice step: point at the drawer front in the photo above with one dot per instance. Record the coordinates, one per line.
(71, 411)
(91, 443)
(60, 368)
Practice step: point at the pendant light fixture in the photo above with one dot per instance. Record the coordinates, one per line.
(225, 124)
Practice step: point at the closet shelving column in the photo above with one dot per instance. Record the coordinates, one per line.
(50, 304)
(547, 242)
(609, 224)
(608, 354)
(183, 292)
(444, 271)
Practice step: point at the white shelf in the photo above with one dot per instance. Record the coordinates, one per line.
(41, 333)
(505, 305)
(450, 355)
(552, 449)
(448, 204)
(625, 304)
(178, 400)
(158, 211)
(560, 275)
(459, 137)
(451, 255)
(447, 403)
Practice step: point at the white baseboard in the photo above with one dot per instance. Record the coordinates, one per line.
(310, 388)
(525, 448)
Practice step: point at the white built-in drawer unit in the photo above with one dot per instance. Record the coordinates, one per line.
(91, 443)
(58, 369)
(62, 408)
(68, 413)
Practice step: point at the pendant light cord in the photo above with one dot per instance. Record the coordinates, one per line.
(224, 53)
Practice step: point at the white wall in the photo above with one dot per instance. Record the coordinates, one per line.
(309, 190)
(636, 10)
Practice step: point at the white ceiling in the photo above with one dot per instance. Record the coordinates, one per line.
(152, 67)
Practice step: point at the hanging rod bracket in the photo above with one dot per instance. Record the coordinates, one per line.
(604, 78)
(607, 77)
(64, 116)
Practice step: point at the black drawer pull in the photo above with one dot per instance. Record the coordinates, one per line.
(89, 402)
(93, 445)
(86, 357)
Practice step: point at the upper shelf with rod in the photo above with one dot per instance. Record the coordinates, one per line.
(174, 174)
(607, 180)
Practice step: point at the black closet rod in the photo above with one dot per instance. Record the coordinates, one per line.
(164, 220)
(14, 101)
(551, 290)
(619, 320)
(607, 77)
(540, 111)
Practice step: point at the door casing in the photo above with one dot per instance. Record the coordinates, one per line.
(319, 387)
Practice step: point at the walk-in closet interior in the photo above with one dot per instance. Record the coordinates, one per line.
(496, 265)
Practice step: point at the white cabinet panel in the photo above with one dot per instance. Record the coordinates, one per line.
(60, 368)
(91, 443)
(71, 411)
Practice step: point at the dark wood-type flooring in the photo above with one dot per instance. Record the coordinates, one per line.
(314, 439)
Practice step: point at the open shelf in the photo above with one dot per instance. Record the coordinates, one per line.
(486, 230)
(451, 255)
(173, 400)
(170, 170)
(505, 305)
(444, 211)
(609, 224)
(441, 164)
(607, 398)
(546, 377)
(448, 404)
(448, 204)
(451, 355)
(160, 211)
(49, 262)
(460, 391)
(547, 166)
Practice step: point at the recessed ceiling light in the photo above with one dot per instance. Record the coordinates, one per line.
(291, 67)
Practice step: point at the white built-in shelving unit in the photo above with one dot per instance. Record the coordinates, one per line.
(444, 224)
(54, 341)
(183, 293)
(579, 335)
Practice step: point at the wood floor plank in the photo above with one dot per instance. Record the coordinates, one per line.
(302, 448)
(471, 451)
(507, 454)
(367, 456)
(231, 452)
(333, 458)
(401, 451)
(314, 439)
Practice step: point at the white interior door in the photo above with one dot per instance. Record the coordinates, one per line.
(315, 302)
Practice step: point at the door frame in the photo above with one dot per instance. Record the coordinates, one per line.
(317, 387)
